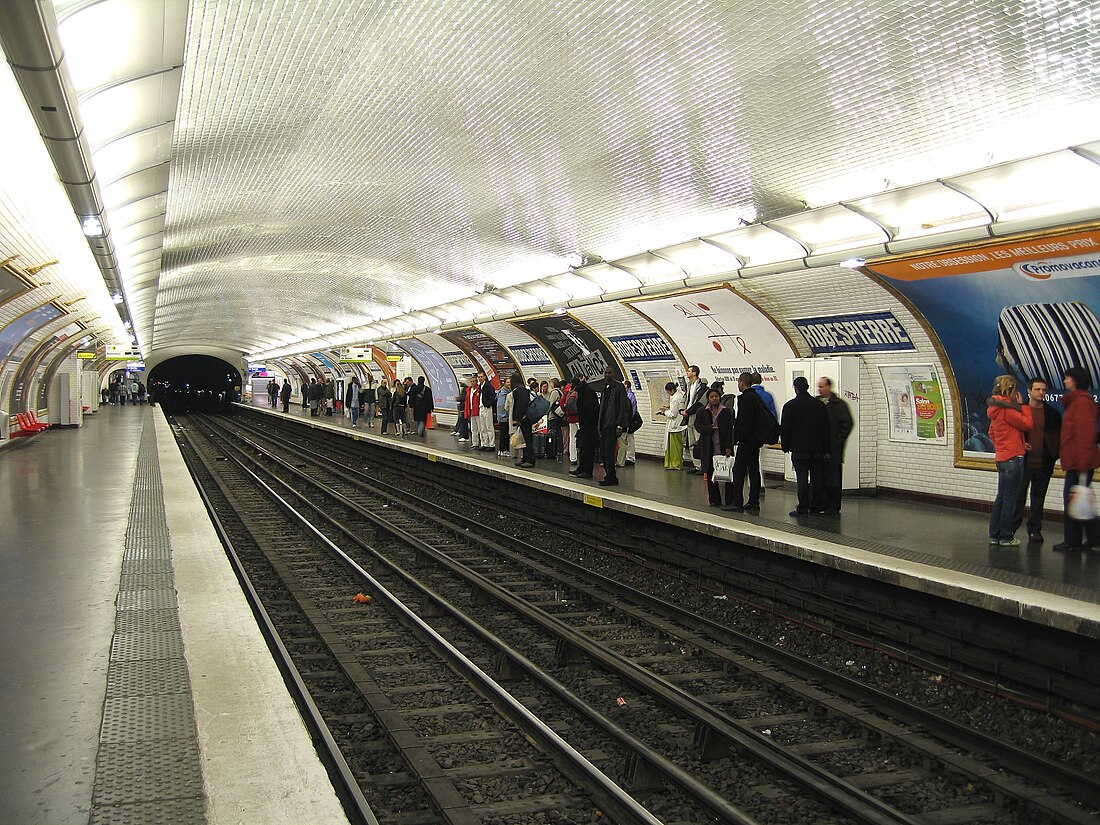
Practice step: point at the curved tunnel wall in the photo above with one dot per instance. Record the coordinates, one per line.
(916, 467)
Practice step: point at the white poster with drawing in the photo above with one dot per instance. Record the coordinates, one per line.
(723, 333)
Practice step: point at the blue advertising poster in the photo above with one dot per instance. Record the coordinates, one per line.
(24, 325)
(438, 372)
(1027, 308)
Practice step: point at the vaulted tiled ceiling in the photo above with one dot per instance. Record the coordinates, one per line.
(335, 163)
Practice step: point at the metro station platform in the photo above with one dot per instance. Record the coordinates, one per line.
(137, 687)
(930, 548)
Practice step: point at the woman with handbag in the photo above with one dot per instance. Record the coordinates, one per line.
(714, 423)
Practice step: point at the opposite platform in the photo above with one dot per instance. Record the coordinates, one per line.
(924, 547)
(125, 638)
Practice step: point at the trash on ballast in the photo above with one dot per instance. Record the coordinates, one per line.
(850, 662)
(361, 598)
(721, 597)
(621, 702)
(767, 731)
(938, 680)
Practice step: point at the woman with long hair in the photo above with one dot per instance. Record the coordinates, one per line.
(1009, 420)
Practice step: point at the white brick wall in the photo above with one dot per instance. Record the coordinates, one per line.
(903, 466)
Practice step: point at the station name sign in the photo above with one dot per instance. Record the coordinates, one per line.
(859, 332)
(645, 346)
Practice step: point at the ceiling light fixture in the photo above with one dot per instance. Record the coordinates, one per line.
(91, 225)
(560, 310)
(853, 263)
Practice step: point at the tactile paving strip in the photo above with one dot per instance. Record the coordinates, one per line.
(141, 678)
(149, 621)
(146, 645)
(188, 811)
(143, 769)
(148, 769)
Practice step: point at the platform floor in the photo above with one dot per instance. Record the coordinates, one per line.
(938, 549)
(136, 685)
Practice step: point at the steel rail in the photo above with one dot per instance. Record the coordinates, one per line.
(733, 733)
(604, 790)
(960, 735)
(345, 784)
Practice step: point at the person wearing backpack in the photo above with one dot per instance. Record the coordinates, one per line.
(746, 437)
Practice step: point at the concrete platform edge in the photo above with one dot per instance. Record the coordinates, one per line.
(258, 761)
(1047, 609)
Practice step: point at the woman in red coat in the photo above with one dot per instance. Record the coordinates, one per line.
(1078, 453)
(1009, 419)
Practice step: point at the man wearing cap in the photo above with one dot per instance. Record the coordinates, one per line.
(804, 433)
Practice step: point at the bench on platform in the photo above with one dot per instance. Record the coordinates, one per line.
(28, 425)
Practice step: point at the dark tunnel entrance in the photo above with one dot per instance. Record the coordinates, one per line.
(194, 383)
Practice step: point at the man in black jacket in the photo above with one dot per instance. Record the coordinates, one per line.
(832, 464)
(804, 433)
(614, 420)
(746, 461)
(1042, 441)
(588, 427)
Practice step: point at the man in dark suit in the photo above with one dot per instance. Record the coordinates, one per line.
(588, 431)
(804, 433)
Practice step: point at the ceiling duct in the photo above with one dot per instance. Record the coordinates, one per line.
(28, 33)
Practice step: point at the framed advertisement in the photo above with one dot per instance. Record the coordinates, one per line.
(914, 403)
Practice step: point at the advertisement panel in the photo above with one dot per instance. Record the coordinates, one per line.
(15, 332)
(574, 348)
(436, 369)
(914, 402)
(489, 355)
(10, 286)
(1027, 307)
(31, 363)
(721, 332)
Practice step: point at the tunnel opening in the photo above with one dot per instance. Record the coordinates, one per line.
(194, 383)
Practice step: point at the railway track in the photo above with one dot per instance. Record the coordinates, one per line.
(684, 706)
(1029, 665)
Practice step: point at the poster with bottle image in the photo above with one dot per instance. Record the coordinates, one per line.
(915, 401)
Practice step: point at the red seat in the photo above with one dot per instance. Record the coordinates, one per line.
(35, 422)
(27, 427)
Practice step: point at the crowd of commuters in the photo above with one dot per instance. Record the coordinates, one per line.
(1029, 436)
(585, 422)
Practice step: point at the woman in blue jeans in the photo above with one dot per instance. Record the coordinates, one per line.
(1009, 420)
